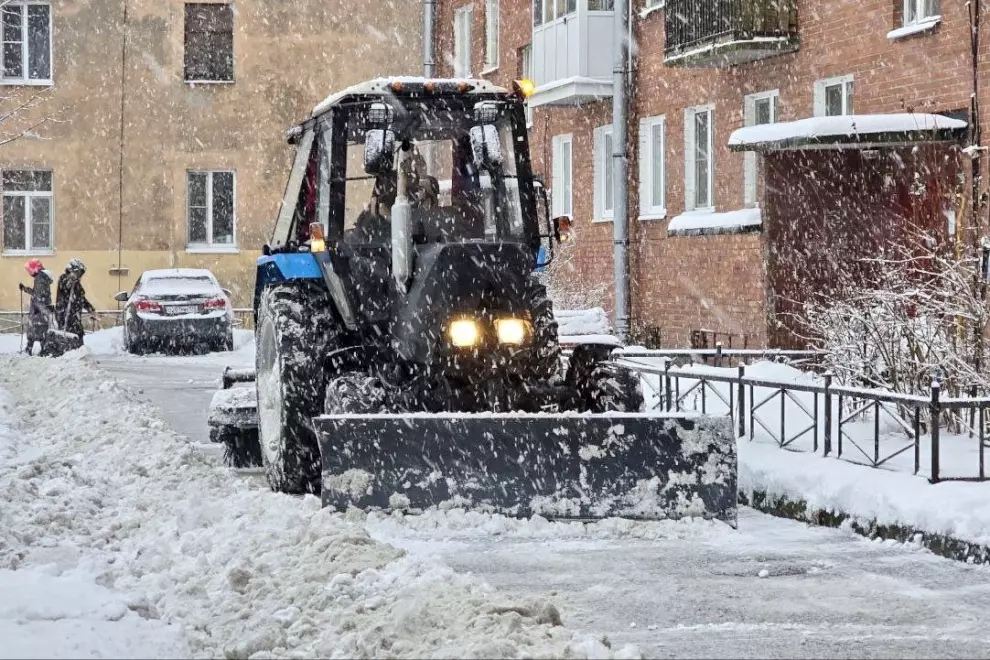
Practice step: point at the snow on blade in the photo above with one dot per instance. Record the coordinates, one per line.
(170, 546)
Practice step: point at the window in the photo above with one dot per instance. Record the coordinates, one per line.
(601, 5)
(545, 11)
(652, 170)
(526, 71)
(462, 42)
(562, 192)
(491, 34)
(834, 97)
(27, 211)
(758, 109)
(604, 174)
(211, 209)
(699, 166)
(27, 43)
(920, 11)
(209, 42)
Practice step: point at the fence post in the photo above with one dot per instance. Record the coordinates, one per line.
(828, 413)
(666, 383)
(741, 400)
(972, 411)
(935, 412)
(718, 354)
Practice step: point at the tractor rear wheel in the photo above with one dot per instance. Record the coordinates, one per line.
(296, 325)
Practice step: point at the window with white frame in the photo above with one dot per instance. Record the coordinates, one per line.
(652, 168)
(491, 34)
(834, 97)
(920, 11)
(758, 109)
(211, 215)
(28, 223)
(699, 157)
(601, 5)
(545, 11)
(604, 174)
(562, 194)
(26, 30)
(526, 71)
(462, 41)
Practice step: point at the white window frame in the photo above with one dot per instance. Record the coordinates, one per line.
(922, 14)
(25, 49)
(554, 16)
(492, 36)
(210, 246)
(562, 193)
(462, 41)
(821, 86)
(649, 207)
(690, 144)
(526, 57)
(28, 228)
(750, 158)
(603, 174)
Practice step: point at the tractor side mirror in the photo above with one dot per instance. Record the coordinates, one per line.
(379, 145)
(486, 147)
(121, 296)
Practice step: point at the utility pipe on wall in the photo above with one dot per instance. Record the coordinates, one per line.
(620, 169)
(429, 21)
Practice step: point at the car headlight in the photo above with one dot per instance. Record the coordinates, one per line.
(511, 331)
(463, 333)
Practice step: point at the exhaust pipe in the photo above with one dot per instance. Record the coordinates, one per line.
(402, 253)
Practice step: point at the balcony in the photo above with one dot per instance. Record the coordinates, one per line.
(573, 49)
(718, 33)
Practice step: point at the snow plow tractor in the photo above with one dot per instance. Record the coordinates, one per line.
(407, 355)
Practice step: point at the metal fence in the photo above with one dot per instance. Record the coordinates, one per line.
(871, 427)
(101, 319)
(689, 23)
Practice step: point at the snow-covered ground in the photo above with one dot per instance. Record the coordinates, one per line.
(120, 538)
(152, 541)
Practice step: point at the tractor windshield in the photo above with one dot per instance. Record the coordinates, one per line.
(459, 166)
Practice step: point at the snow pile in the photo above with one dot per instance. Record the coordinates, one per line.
(710, 222)
(231, 569)
(592, 321)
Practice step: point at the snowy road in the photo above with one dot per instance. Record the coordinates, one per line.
(673, 590)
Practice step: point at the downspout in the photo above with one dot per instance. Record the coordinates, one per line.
(120, 172)
(429, 21)
(620, 169)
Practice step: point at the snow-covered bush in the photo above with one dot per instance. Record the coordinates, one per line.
(923, 317)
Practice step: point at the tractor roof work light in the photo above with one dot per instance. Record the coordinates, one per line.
(523, 88)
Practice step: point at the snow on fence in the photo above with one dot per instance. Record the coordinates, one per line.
(801, 411)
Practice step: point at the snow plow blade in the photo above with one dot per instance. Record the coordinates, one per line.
(629, 465)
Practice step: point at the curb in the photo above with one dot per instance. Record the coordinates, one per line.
(939, 544)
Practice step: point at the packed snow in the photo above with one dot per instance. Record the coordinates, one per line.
(710, 221)
(839, 126)
(127, 539)
(924, 25)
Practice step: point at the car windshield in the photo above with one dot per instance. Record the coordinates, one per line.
(178, 286)
(453, 198)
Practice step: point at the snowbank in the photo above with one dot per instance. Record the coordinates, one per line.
(215, 565)
(111, 342)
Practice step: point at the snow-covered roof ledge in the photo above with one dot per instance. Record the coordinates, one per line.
(707, 223)
(849, 132)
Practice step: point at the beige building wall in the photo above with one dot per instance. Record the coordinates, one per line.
(141, 132)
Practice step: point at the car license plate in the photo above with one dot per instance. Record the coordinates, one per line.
(178, 310)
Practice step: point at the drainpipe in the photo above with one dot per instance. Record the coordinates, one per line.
(620, 169)
(429, 20)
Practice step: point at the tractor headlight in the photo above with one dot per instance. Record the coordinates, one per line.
(511, 331)
(464, 333)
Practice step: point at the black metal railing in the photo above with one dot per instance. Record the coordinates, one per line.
(692, 24)
(865, 426)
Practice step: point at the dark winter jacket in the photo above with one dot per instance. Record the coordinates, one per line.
(41, 303)
(70, 304)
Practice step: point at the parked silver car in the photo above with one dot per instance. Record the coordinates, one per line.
(177, 308)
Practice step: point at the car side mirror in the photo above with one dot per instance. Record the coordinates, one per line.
(227, 293)
(121, 296)
(379, 145)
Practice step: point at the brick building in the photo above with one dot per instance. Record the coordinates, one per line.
(720, 234)
(165, 144)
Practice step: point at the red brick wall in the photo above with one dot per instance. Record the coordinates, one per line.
(718, 282)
